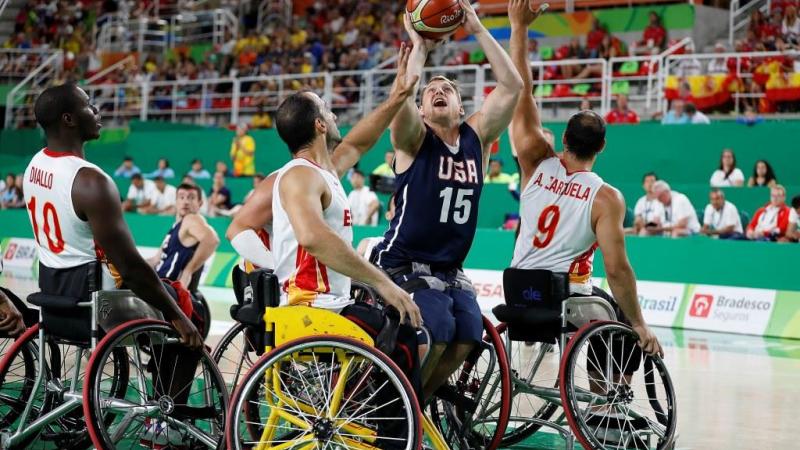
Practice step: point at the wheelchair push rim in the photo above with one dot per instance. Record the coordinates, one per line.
(625, 401)
(324, 390)
(156, 410)
(235, 355)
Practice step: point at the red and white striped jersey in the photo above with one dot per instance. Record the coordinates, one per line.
(303, 278)
(63, 240)
(556, 223)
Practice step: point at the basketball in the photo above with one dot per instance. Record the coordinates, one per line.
(435, 19)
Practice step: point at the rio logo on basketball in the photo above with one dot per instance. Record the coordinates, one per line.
(701, 305)
(447, 20)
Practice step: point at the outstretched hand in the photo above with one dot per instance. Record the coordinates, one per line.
(403, 87)
(523, 13)
(417, 39)
(471, 24)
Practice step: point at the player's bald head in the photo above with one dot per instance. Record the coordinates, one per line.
(56, 101)
(585, 135)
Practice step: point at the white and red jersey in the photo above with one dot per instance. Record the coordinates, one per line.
(304, 279)
(556, 223)
(63, 240)
(772, 220)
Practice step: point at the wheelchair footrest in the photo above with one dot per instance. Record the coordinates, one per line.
(449, 394)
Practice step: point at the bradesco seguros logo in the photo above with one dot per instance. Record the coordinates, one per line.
(732, 309)
(701, 305)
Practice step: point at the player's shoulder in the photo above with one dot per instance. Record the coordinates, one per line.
(609, 197)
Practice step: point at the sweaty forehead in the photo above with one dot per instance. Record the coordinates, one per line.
(438, 84)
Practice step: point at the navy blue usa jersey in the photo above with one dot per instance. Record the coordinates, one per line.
(174, 256)
(436, 203)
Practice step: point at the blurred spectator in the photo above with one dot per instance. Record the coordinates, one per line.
(243, 151)
(11, 196)
(774, 222)
(533, 51)
(676, 115)
(621, 113)
(257, 178)
(127, 169)
(721, 217)
(654, 37)
(727, 175)
(139, 193)
(366, 245)
(696, 117)
(763, 175)
(219, 197)
(718, 65)
(595, 37)
(585, 105)
(688, 66)
(796, 204)
(163, 170)
(648, 210)
(496, 174)
(222, 167)
(364, 204)
(750, 117)
(198, 172)
(790, 27)
(680, 217)
(261, 119)
(162, 199)
(385, 169)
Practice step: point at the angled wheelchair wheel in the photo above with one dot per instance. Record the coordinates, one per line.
(324, 392)
(205, 313)
(534, 380)
(175, 397)
(614, 395)
(472, 409)
(18, 370)
(235, 354)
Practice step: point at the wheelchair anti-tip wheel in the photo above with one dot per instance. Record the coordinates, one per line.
(235, 354)
(176, 397)
(472, 408)
(534, 385)
(616, 397)
(324, 392)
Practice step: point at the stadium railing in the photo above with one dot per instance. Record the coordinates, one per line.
(739, 15)
(20, 98)
(117, 32)
(16, 64)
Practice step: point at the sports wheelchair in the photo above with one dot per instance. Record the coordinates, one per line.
(320, 380)
(102, 373)
(612, 396)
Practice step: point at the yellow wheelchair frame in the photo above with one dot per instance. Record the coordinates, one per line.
(288, 323)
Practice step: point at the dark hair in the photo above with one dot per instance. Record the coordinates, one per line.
(260, 176)
(796, 201)
(717, 191)
(585, 135)
(158, 178)
(196, 160)
(127, 158)
(727, 173)
(190, 187)
(690, 108)
(649, 174)
(136, 176)
(769, 176)
(295, 120)
(54, 102)
(166, 162)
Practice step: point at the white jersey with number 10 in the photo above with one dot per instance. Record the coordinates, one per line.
(556, 223)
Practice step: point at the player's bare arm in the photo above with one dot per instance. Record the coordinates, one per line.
(407, 130)
(525, 131)
(195, 229)
(10, 318)
(304, 194)
(255, 214)
(155, 259)
(96, 200)
(368, 130)
(496, 111)
(608, 213)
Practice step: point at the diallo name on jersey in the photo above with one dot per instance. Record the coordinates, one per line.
(568, 188)
(41, 177)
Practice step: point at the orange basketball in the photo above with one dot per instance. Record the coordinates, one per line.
(435, 19)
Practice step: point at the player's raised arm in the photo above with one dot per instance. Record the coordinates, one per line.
(610, 214)
(407, 128)
(254, 215)
(96, 200)
(497, 109)
(368, 130)
(526, 125)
